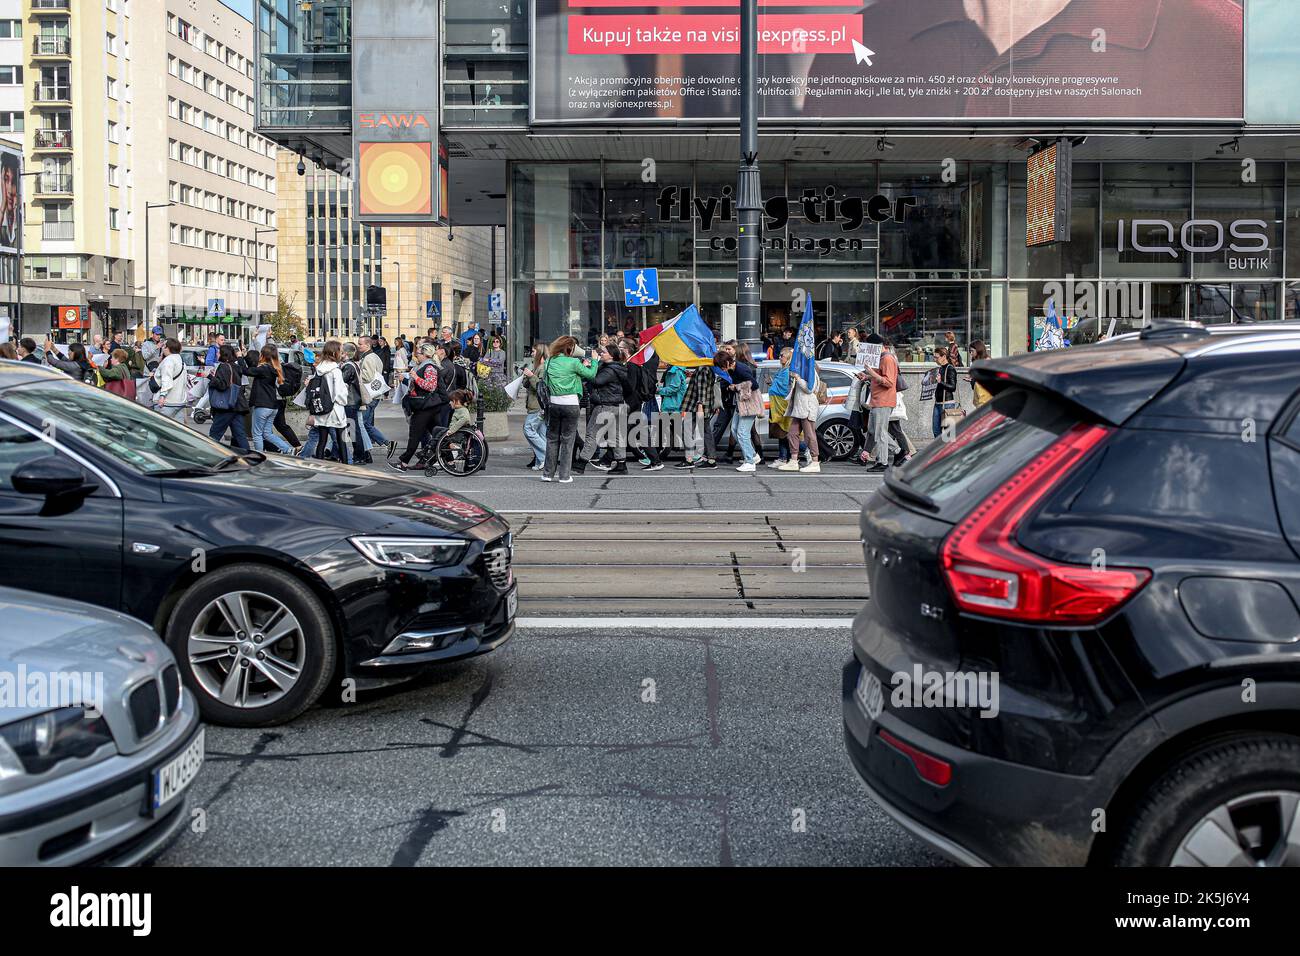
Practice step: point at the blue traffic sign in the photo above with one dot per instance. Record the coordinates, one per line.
(641, 287)
(432, 309)
(216, 308)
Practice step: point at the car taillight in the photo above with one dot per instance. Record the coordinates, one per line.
(989, 573)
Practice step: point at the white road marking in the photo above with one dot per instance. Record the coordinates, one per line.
(687, 623)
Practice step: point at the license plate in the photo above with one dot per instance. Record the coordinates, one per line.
(512, 604)
(171, 779)
(870, 694)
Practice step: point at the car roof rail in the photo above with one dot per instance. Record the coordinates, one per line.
(1172, 328)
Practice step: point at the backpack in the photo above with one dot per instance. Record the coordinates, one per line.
(352, 379)
(292, 381)
(543, 391)
(319, 397)
(230, 398)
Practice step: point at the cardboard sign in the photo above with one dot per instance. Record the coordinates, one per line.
(869, 355)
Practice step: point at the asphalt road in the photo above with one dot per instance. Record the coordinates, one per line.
(546, 753)
(550, 751)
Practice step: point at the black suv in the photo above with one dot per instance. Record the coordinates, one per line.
(1083, 642)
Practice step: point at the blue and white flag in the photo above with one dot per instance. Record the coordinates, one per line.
(804, 362)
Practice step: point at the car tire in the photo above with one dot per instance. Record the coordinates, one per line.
(1241, 771)
(836, 440)
(311, 643)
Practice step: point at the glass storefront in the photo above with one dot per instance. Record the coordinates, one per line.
(1204, 241)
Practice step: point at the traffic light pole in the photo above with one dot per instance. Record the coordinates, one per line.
(749, 187)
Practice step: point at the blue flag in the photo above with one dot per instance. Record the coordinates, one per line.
(804, 362)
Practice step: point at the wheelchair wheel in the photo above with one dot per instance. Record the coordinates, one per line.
(461, 453)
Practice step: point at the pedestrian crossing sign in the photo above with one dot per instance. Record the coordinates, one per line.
(640, 287)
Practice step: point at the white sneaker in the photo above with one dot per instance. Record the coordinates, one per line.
(791, 465)
(748, 467)
(812, 468)
(756, 460)
(546, 477)
(566, 481)
(775, 463)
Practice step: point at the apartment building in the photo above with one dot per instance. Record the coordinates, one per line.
(328, 259)
(155, 201)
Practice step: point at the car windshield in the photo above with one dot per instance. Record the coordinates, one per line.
(132, 434)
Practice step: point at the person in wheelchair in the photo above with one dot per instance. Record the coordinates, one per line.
(460, 418)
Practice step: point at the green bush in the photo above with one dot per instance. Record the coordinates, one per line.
(493, 397)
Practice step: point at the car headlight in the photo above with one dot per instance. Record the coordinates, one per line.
(35, 744)
(410, 552)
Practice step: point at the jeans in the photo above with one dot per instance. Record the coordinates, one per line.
(232, 420)
(535, 434)
(264, 431)
(561, 432)
(936, 423)
(878, 427)
(740, 428)
(175, 412)
(368, 420)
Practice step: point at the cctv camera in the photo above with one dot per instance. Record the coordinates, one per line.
(302, 167)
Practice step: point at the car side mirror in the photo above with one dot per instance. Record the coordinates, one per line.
(50, 476)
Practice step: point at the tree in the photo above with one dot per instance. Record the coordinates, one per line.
(285, 322)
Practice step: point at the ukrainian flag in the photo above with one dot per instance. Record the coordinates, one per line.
(685, 340)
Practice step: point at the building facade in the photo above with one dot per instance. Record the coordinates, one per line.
(896, 190)
(328, 260)
(149, 198)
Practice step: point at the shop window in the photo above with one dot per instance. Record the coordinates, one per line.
(1078, 257)
(1239, 206)
(916, 315)
(826, 249)
(933, 236)
(1159, 193)
(636, 231)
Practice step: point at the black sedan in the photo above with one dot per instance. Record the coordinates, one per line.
(273, 580)
(1083, 638)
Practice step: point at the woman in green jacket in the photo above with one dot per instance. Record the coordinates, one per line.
(672, 390)
(564, 375)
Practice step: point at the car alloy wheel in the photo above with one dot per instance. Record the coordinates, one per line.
(839, 439)
(246, 649)
(1257, 829)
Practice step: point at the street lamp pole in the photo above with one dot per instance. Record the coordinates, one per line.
(257, 288)
(148, 289)
(749, 186)
(399, 295)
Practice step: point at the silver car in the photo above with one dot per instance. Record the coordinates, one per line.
(837, 437)
(98, 740)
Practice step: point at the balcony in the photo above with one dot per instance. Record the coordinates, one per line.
(52, 139)
(51, 46)
(58, 95)
(52, 5)
(54, 184)
(56, 230)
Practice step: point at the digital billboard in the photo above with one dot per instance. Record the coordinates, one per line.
(1047, 195)
(395, 111)
(904, 60)
(11, 199)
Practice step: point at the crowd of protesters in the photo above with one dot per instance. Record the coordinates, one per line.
(640, 411)
(635, 411)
